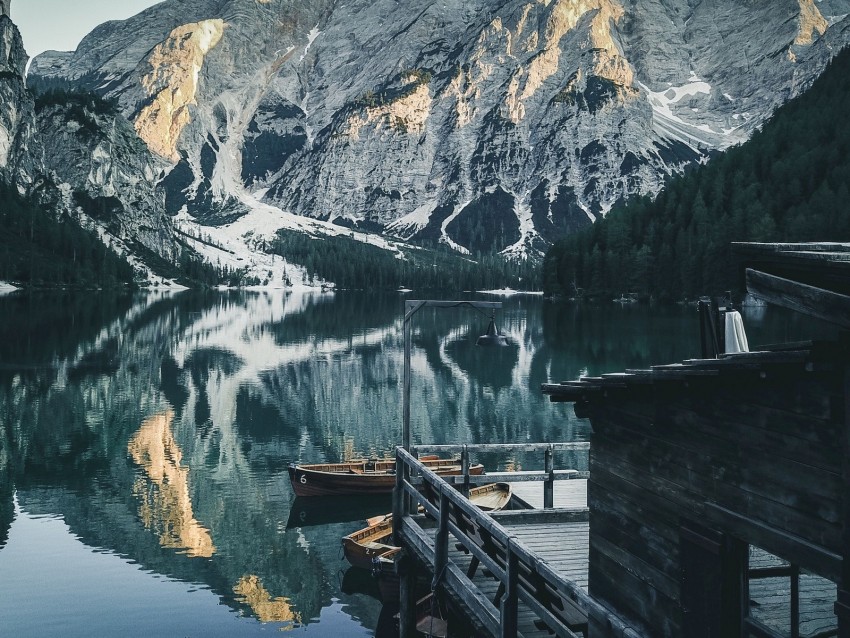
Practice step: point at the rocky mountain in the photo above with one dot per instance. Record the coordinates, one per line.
(108, 173)
(82, 159)
(481, 124)
(17, 112)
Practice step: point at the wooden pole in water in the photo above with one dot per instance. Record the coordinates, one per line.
(411, 307)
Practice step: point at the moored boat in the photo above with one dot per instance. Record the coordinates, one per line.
(363, 546)
(363, 476)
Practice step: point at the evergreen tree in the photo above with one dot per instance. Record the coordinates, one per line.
(789, 182)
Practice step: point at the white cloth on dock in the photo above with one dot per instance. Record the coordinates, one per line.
(736, 336)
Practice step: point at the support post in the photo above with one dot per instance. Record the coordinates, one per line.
(509, 613)
(549, 483)
(795, 601)
(407, 595)
(842, 605)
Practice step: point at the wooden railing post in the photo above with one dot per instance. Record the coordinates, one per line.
(398, 499)
(549, 483)
(464, 463)
(509, 612)
(795, 601)
(441, 546)
(410, 504)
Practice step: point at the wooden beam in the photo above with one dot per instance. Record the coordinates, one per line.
(540, 517)
(503, 447)
(816, 302)
(809, 556)
(515, 477)
(407, 595)
(842, 604)
(509, 607)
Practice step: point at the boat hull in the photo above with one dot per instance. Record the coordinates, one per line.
(363, 547)
(360, 548)
(358, 478)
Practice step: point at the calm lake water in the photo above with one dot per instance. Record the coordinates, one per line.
(144, 441)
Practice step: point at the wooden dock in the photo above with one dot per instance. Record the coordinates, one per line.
(564, 547)
(567, 494)
(512, 573)
(552, 549)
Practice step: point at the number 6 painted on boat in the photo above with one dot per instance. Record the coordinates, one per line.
(303, 479)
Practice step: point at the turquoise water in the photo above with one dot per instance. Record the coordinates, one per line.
(144, 441)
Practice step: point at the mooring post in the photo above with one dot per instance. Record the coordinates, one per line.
(549, 483)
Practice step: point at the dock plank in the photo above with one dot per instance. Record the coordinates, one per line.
(567, 494)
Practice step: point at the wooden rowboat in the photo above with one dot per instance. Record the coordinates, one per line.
(361, 547)
(373, 476)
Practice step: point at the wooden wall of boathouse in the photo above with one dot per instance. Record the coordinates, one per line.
(690, 463)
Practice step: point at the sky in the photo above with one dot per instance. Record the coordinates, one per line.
(60, 24)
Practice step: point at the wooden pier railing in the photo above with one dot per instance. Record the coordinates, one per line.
(548, 476)
(559, 603)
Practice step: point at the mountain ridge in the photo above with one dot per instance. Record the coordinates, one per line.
(408, 117)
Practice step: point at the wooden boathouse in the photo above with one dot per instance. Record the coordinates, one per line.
(718, 497)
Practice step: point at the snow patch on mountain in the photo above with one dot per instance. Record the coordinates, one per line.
(311, 37)
(243, 244)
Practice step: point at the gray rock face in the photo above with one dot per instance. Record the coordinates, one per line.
(109, 171)
(79, 159)
(480, 124)
(17, 122)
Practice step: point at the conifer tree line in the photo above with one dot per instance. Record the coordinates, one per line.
(790, 182)
(40, 249)
(353, 264)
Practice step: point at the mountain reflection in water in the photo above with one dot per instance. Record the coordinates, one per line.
(163, 493)
(144, 441)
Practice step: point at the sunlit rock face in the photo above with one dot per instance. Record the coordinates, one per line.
(172, 84)
(480, 124)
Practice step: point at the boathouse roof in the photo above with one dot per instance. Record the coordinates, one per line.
(783, 359)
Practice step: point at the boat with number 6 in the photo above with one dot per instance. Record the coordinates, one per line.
(363, 476)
